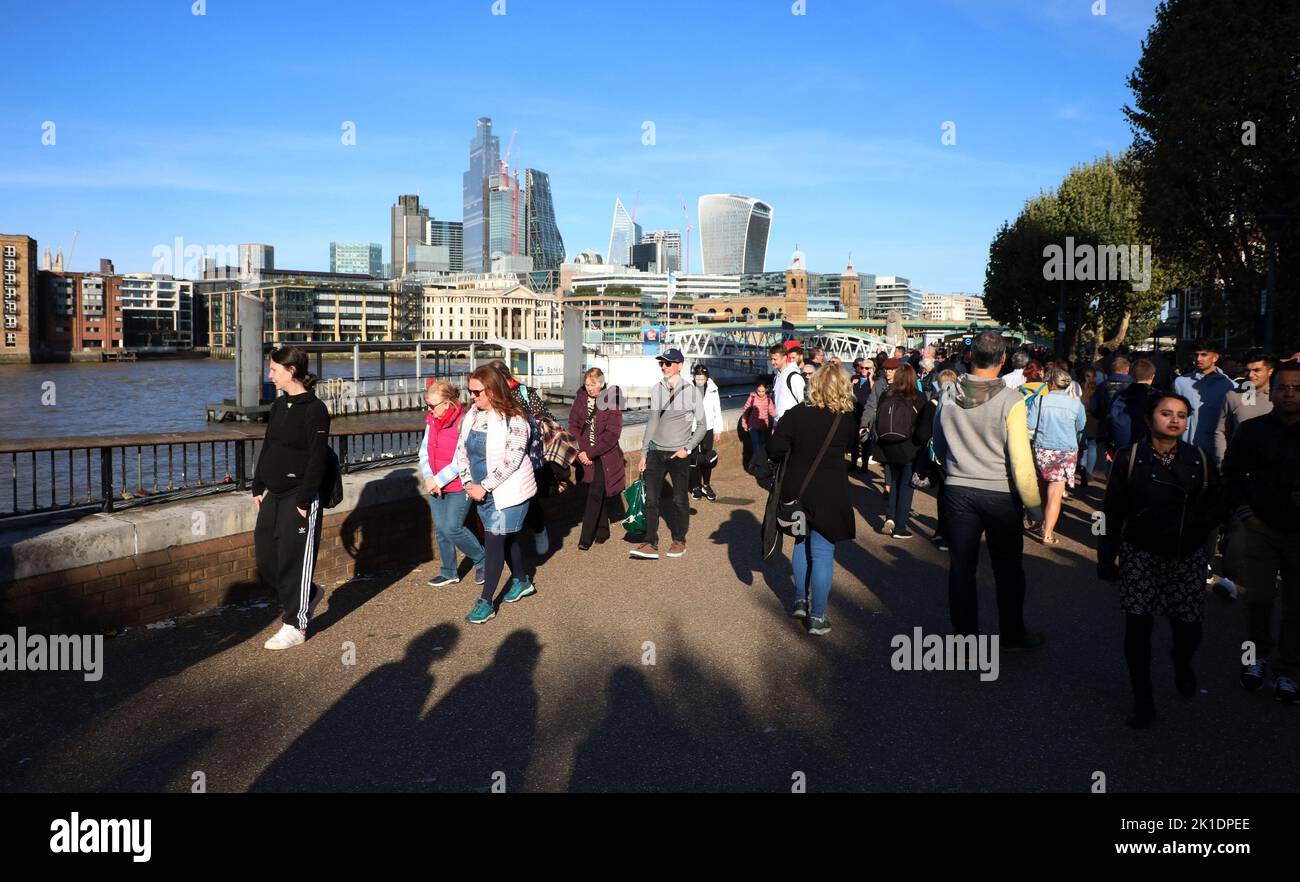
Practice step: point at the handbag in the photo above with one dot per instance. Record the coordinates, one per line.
(634, 505)
(790, 516)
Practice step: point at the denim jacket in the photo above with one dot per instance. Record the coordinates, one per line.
(1057, 420)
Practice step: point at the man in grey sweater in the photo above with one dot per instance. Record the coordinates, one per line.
(669, 440)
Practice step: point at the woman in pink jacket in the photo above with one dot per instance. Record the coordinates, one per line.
(447, 498)
(756, 418)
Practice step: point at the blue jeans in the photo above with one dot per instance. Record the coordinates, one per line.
(815, 553)
(898, 507)
(449, 529)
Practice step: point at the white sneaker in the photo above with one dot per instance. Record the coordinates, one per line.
(887, 527)
(288, 636)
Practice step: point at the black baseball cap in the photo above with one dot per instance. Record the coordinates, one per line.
(672, 355)
(700, 369)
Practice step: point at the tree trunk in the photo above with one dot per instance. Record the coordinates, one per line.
(1121, 331)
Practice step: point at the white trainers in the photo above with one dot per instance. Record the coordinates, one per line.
(287, 637)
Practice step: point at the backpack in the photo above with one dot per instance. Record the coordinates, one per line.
(331, 482)
(895, 420)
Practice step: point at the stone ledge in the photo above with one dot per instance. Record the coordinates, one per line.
(31, 551)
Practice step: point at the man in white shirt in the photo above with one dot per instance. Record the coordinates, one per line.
(788, 384)
(1019, 361)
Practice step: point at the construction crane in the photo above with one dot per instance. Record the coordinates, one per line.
(514, 193)
(71, 249)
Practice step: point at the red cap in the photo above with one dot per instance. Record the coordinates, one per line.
(429, 381)
(891, 364)
(792, 345)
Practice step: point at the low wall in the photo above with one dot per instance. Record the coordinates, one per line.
(107, 571)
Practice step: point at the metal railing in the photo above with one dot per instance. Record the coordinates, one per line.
(111, 473)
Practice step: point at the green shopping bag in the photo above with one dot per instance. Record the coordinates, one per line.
(634, 505)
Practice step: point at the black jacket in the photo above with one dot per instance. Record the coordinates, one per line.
(903, 452)
(1262, 470)
(293, 452)
(1166, 511)
(798, 436)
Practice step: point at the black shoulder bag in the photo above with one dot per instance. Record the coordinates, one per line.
(790, 517)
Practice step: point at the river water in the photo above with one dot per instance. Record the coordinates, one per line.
(139, 397)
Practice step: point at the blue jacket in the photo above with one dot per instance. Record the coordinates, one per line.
(1056, 420)
(1206, 392)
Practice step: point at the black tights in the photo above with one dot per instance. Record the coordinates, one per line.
(496, 546)
(1137, 651)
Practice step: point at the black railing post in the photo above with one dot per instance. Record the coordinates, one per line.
(343, 454)
(106, 476)
(239, 464)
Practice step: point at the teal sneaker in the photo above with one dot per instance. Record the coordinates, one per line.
(518, 588)
(481, 612)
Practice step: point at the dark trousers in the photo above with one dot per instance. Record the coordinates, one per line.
(700, 476)
(595, 517)
(898, 506)
(677, 511)
(286, 544)
(1137, 652)
(970, 513)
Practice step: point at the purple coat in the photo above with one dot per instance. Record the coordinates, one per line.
(609, 426)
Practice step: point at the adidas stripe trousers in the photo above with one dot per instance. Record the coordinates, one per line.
(286, 544)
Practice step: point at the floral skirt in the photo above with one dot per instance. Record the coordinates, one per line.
(1151, 585)
(1056, 465)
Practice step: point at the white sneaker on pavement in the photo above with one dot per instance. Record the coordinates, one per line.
(287, 637)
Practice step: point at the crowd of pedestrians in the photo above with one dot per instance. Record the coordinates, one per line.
(1201, 474)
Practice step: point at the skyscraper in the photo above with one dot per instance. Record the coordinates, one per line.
(255, 257)
(484, 159)
(357, 257)
(668, 249)
(451, 234)
(733, 233)
(408, 221)
(545, 245)
(507, 211)
(623, 234)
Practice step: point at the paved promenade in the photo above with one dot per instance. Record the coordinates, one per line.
(555, 692)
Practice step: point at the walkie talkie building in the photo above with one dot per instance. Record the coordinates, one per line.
(733, 233)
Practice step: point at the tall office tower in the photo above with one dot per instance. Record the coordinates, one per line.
(255, 257)
(545, 245)
(507, 212)
(668, 249)
(357, 257)
(451, 234)
(484, 160)
(733, 233)
(623, 234)
(408, 223)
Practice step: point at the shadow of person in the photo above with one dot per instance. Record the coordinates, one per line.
(388, 534)
(740, 534)
(367, 740)
(156, 770)
(484, 726)
(637, 747)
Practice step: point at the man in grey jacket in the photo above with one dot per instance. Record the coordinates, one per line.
(669, 440)
(1246, 402)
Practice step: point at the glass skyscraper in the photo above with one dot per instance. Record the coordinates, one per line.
(733, 233)
(545, 245)
(451, 234)
(506, 229)
(408, 228)
(484, 160)
(623, 234)
(357, 257)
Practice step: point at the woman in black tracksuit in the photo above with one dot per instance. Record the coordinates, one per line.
(286, 489)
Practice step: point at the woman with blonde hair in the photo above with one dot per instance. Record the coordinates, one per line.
(442, 485)
(813, 437)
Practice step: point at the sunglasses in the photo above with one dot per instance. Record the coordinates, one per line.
(477, 392)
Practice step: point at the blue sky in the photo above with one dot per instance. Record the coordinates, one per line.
(225, 128)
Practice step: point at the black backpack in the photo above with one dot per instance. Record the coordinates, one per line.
(895, 420)
(331, 480)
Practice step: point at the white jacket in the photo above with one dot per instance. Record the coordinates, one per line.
(520, 486)
(712, 409)
(787, 390)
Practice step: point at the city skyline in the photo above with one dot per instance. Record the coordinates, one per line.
(159, 159)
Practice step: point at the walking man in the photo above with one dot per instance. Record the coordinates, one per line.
(669, 440)
(983, 441)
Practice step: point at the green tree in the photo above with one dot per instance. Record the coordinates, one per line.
(1216, 99)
